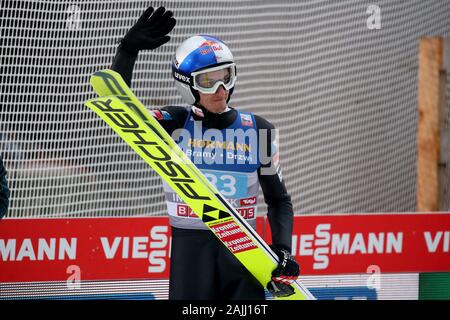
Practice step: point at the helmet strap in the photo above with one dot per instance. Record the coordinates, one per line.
(195, 94)
(230, 93)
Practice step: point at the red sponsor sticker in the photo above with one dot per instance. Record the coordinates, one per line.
(158, 115)
(248, 202)
(246, 120)
(247, 213)
(185, 211)
(233, 237)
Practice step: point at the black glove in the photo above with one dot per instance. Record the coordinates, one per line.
(150, 31)
(285, 274)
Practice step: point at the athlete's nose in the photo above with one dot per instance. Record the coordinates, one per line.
(221, 91)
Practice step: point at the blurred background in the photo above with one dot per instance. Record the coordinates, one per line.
(337, 78)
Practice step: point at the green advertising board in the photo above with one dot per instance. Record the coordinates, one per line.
(434, 286)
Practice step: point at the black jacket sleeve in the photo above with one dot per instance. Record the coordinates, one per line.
(4, 190)
(279, 205)
(123, 63)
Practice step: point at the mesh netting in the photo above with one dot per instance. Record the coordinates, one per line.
(343, 97)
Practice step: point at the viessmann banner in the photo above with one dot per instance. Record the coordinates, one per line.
(139, 248)
(389, 243)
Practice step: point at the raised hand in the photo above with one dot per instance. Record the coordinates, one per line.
(150, 31)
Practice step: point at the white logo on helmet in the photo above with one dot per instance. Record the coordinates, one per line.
(182, 77)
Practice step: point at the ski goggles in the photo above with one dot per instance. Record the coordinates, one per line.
(209, 80)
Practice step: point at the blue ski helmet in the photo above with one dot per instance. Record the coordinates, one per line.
(198, 55)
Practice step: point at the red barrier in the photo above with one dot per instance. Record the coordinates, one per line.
(99, 248)
(139, 248)
(358, 243)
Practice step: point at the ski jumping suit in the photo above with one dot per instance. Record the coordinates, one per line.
(201, 268)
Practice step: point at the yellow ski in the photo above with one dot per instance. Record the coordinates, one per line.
(129, 118)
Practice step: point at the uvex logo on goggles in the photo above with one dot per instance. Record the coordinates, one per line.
(182, 77)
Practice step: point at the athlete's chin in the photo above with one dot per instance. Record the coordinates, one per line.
(218, 106)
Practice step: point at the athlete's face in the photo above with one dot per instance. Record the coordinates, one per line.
(215, 102)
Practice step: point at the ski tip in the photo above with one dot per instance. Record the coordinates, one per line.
(88, 103)
(99, 73)
(108, 82)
